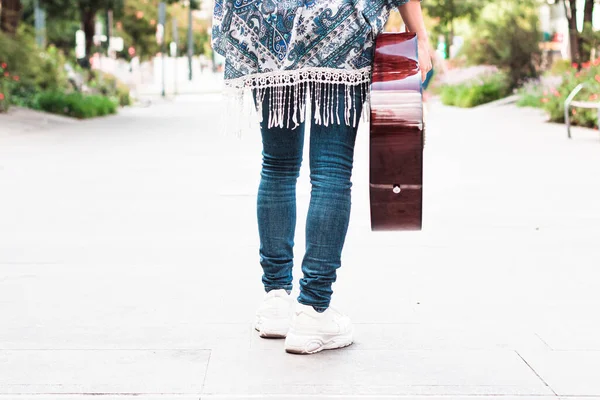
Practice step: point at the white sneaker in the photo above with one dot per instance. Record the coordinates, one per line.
(274, 314)
(311, 332)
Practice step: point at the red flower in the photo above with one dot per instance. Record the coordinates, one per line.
(586, 64)
(544, 100)
(4, 65)
(6, 74)
(575, 65)
(16, 78)
(593, 96)
(578, 74)
(556, 93)
(597, 61)
(1, 96)
(597, 77)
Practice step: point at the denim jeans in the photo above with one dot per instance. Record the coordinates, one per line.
(331, 159)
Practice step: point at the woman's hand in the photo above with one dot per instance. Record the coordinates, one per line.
(413, 18)
(424, 58)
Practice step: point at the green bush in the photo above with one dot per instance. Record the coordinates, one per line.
(559, 67)
(506, 35)
(76, 104)
(530, 99)
(553, 99)
(449, 93)
(30, 69)
(33, 77)
(108, 85)
(476, 92)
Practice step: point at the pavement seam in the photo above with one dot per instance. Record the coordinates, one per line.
(205, 373)
(382, 397)
(536, 374)
(543, 341)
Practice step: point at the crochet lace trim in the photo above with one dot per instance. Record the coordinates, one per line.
(333, 92)
(294, 77)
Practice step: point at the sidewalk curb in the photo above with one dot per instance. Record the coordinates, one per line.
(16, 112)
(512, 99)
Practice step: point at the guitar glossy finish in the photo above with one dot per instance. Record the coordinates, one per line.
(396, 138)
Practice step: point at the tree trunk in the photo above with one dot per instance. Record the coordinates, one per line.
(452, 15)
(574, 42)
(10, 16)
(88, 21)
(588, 13)
(447, 40)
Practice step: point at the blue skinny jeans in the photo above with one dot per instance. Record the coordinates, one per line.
(331, 159)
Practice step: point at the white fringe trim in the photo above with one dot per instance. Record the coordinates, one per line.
(288, 92)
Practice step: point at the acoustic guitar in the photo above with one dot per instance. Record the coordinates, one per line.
(396, 135)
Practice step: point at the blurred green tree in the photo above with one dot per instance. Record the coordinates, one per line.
(447, 11)
(135, 21)
(83, 11)
(581, 43)
(507, 35)
(200, 29)
(137, 25)
(10, 15)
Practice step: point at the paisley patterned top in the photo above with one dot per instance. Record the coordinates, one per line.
(280, 43)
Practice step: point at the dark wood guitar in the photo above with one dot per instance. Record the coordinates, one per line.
(397, 135)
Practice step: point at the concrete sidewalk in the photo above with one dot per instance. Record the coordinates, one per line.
(129, 265)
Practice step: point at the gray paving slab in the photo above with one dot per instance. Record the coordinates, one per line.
(137, 335)
(584, 335)
(138, 396)
(381, 397)
(568, 373)
(55, 372)
(284, 397)
(578, 397)
(432, 337)
(374, 372)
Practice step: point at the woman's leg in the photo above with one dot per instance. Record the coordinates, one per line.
(276, 205)
(331, 159)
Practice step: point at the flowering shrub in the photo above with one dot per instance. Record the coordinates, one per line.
(5, 85)
(552, 99)
(532, 92)
(35, 78)
(29, 70)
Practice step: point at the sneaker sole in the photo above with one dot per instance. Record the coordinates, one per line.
(310, 344)
(272, 328)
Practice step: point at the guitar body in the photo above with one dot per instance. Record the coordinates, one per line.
(396, 135)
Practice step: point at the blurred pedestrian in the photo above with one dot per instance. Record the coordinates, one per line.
(285, 52)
